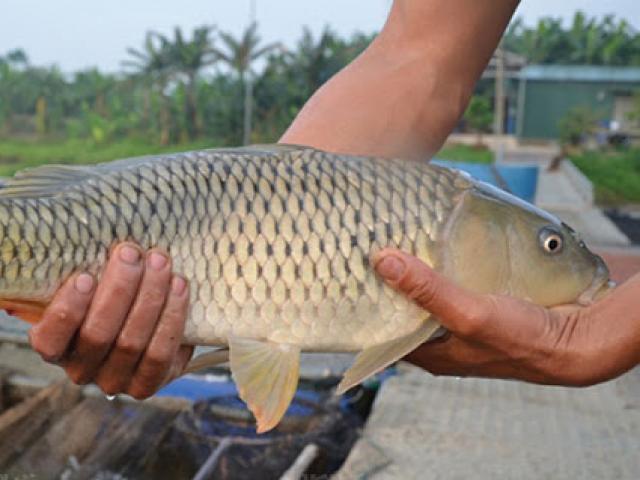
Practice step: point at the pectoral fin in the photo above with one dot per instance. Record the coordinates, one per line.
(208, 359)
(266, 375)
(373, 359)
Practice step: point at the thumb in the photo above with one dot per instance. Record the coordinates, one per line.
(460, 311)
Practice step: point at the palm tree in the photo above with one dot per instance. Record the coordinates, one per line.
(240, 55)
(46, 87)
(12, 80)
(188, 58)
(152, 65)
(92, 87)
(314, 58)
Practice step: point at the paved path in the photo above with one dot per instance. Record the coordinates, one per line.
(423, 427)
(594, 226)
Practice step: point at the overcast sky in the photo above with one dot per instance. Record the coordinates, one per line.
(77, 34)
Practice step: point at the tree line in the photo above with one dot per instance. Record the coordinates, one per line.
(176, 88)
(584, 41)
(209, 84)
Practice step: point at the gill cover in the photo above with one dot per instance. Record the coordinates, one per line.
(497, 243)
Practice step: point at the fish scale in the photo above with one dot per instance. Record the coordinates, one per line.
(275, 243)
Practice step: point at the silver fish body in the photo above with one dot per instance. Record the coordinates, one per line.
(275, 243)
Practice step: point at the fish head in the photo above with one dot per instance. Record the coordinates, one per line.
(497, 243)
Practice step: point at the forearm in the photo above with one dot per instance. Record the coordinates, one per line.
(404, 94)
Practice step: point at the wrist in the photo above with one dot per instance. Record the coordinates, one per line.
(586, 349)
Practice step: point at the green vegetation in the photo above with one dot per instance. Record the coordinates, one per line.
(18, 154)
(615, 175)
(465, 153)
(204, 84)
(175, 89)
(198, 90)
(479, 115)
(578, 123)
(634, 114)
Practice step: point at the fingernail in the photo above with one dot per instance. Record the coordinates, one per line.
(129, 255)
(156, 261)
(391, 268)
(84, 283)
(178, 284)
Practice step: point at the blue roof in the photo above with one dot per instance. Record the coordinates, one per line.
(581, 73)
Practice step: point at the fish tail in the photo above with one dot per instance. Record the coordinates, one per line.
(29, 311)
(15, 253)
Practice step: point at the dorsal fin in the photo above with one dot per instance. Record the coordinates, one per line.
(51, 180)
(44, 181)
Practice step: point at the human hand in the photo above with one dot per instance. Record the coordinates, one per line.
(124, 333)
(503, 337)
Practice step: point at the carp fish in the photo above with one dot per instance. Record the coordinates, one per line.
(276, 243)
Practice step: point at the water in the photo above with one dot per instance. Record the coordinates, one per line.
(522, 180)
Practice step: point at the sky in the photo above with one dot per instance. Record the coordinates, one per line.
(78, 34)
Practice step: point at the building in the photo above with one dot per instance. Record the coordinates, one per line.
(503, 70)
(546, 93)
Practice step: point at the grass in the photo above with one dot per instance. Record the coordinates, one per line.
(18, 154)
(615, 175)
(465, 153)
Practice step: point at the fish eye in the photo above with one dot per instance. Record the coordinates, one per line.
(551, 240)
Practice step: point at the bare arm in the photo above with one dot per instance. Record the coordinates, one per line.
(404, 94)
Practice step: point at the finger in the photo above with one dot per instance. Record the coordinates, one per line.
(182, 359)
(159, 357)
(62, 318)
(109, 308)
(118, 369)
(184, 356)
(464, 313)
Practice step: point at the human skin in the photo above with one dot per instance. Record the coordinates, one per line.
(400, 98)
(124, 333)
(404, 94)
(498, 336)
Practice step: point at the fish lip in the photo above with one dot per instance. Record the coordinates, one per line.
(600, 286)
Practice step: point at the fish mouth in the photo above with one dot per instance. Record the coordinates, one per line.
(601, 286)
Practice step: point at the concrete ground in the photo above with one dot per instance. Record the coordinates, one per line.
(448, 428)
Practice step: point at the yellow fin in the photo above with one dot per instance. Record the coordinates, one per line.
(207, 359)
(266, 375)
(373, 359)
